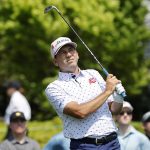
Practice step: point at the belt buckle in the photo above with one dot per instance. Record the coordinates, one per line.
(98, 141)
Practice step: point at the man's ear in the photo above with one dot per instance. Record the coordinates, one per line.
(55, 62)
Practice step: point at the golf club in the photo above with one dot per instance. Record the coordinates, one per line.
(49, 8)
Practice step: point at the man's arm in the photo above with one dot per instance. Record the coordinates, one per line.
(115, 107)
(83, 110)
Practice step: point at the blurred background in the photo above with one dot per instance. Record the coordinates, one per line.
(117, 31)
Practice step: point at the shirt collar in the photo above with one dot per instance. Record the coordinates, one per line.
(68, 76)
(131, 130)
(14, 141)
(16, 92)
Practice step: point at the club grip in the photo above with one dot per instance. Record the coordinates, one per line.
(123, 94)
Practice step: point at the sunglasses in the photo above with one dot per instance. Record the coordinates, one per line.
(127, 112)
(18, 120)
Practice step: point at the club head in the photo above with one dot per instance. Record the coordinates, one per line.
(49, 8)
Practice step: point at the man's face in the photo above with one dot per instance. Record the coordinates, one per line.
(67, 58)
(125, 116)
(10, 91)
(146, 126)
(18, 126)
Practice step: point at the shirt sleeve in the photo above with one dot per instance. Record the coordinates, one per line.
(49, 146)
(9, 110)
(21, 104)
(52, 143)
(58, 142)
(57, 97)
(18, 103)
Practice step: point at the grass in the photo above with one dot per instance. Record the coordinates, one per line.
(138, 126)
(42, 131)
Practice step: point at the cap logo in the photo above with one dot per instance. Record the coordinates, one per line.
(18, 114)
(92, 80)
(60, 41)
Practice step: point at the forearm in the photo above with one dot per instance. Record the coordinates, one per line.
(116, 108)
(83, 110)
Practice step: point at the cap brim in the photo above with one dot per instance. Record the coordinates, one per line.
(68, 43)
(17, 118)
(129, 107)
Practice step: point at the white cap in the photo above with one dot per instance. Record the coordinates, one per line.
(59, 43)
(146, 117)
(127, 105)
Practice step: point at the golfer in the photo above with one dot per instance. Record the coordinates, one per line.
(83, 100)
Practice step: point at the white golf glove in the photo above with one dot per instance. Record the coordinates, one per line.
(119, 88)
(117, 97)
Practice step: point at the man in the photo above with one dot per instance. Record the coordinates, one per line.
(58, 142)
(18, 139)
(129, 137)
(146, 124)
(18, 102)
(82, 100)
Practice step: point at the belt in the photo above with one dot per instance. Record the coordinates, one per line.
(103, 140)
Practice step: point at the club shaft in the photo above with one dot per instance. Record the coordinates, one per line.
(106, 73)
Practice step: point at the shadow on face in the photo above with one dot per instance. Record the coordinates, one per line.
(10, 91)
(146, 126)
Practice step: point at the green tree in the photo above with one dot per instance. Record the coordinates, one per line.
(113, 29)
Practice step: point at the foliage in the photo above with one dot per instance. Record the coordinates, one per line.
(114, 30)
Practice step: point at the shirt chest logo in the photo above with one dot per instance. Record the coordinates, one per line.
(92, 80)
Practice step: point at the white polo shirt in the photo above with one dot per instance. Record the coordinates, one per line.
(81, 88)
(18, 102)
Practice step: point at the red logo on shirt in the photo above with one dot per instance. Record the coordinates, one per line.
(92, 80)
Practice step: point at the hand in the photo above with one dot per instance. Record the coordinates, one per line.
(119, 88)
(111, 83)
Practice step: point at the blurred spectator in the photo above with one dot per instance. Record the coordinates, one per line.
(18, 102)
(18, 139)
(146, 124)
(129, 137)
(58, 142)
